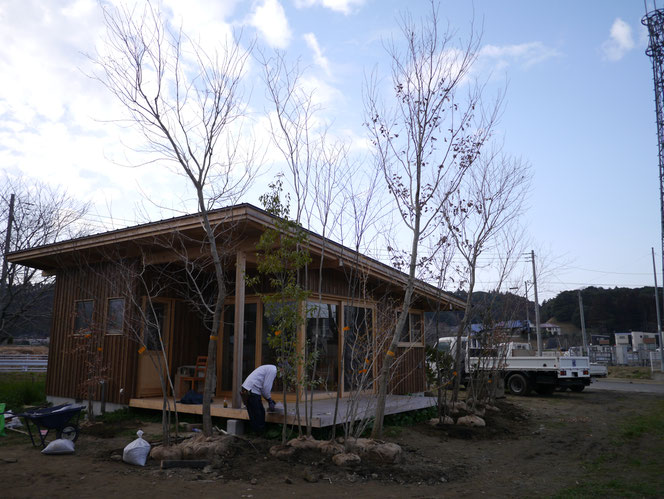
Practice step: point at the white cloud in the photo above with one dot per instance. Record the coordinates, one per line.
(203, 21)
(319, 58)
(620, 41)
(523, 54)
(270, 19)
(344, 6)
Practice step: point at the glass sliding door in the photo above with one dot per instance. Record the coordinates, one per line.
(358, 348)
(323, 337)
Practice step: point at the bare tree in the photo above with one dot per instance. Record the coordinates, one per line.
(482, 217)
(425, 140)
(188, 104)
(316, 170)
(40, 215)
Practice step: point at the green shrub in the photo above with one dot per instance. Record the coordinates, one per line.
(20, 390)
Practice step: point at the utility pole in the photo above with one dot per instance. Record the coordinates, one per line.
(8, 238)
(659, 321)
(583, 327)
(537, 314)
(527, 312)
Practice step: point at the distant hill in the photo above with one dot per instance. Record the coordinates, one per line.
(606, 310)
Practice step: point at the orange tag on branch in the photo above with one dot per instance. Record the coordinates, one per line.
(141, 350)
(390, 353)
(214, 338)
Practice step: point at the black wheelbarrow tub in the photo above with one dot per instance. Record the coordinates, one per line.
(56, 418)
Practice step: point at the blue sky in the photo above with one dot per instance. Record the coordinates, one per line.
(579, 108)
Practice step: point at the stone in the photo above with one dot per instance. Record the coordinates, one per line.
(310, 476)
(208, 469)
(205, 448)
(492, 408)
(361, 445)
(288, 481)
(346, 459)
(330, 448)
(235, 427)
(11, 460)
(304, 442)
(116, 457)
(387, 453)
(470, 420)
(436, 421)
(282, 451)
(254, 481)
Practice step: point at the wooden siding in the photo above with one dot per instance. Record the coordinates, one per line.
(71, 355)
(408, 375)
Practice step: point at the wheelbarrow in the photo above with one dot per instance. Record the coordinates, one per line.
(61, 418)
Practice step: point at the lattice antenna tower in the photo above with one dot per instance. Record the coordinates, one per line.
(654, 21)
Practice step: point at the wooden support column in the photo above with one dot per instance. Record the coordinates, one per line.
(240, 266)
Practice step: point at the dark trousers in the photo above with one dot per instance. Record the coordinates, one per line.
(256, 413)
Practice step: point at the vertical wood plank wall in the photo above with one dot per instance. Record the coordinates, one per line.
(409, 375)
(67, 370)
(68, 351)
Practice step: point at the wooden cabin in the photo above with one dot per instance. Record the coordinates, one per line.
(111, 287)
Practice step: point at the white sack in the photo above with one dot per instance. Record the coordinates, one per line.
(137, 451)
(59, 446)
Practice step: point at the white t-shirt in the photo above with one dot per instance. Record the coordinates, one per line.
(260, 380)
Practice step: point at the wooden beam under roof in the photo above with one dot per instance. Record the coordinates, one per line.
(251, 221)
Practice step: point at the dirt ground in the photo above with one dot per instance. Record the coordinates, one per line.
(533, 447)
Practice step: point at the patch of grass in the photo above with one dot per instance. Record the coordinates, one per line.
(616, 487)
(645, 424)
(18, 390)
(629, 372)
(628, 470)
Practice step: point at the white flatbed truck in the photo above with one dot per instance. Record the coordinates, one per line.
(523, 371)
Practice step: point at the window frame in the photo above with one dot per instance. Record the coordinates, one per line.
(413, 342)
(107, 330)
(88, 328)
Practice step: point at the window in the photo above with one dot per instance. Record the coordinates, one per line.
(358, 349)
(83, 317)
(412, 332)
(115, 316)
(323, 337)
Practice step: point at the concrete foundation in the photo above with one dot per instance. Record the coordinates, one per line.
(235, 427)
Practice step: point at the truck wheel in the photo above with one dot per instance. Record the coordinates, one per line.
(545, 389)
(518, 385)
(577, 388)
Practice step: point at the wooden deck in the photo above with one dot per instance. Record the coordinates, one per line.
(323, 409)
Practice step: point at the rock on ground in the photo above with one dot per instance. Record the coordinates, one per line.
(281, 451)
(304, 442)
(330, 448)
(470, 421)
(346, 459)
(436, 421)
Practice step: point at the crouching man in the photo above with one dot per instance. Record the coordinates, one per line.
(258, 383)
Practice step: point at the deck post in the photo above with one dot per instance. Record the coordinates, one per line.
(240, 266)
